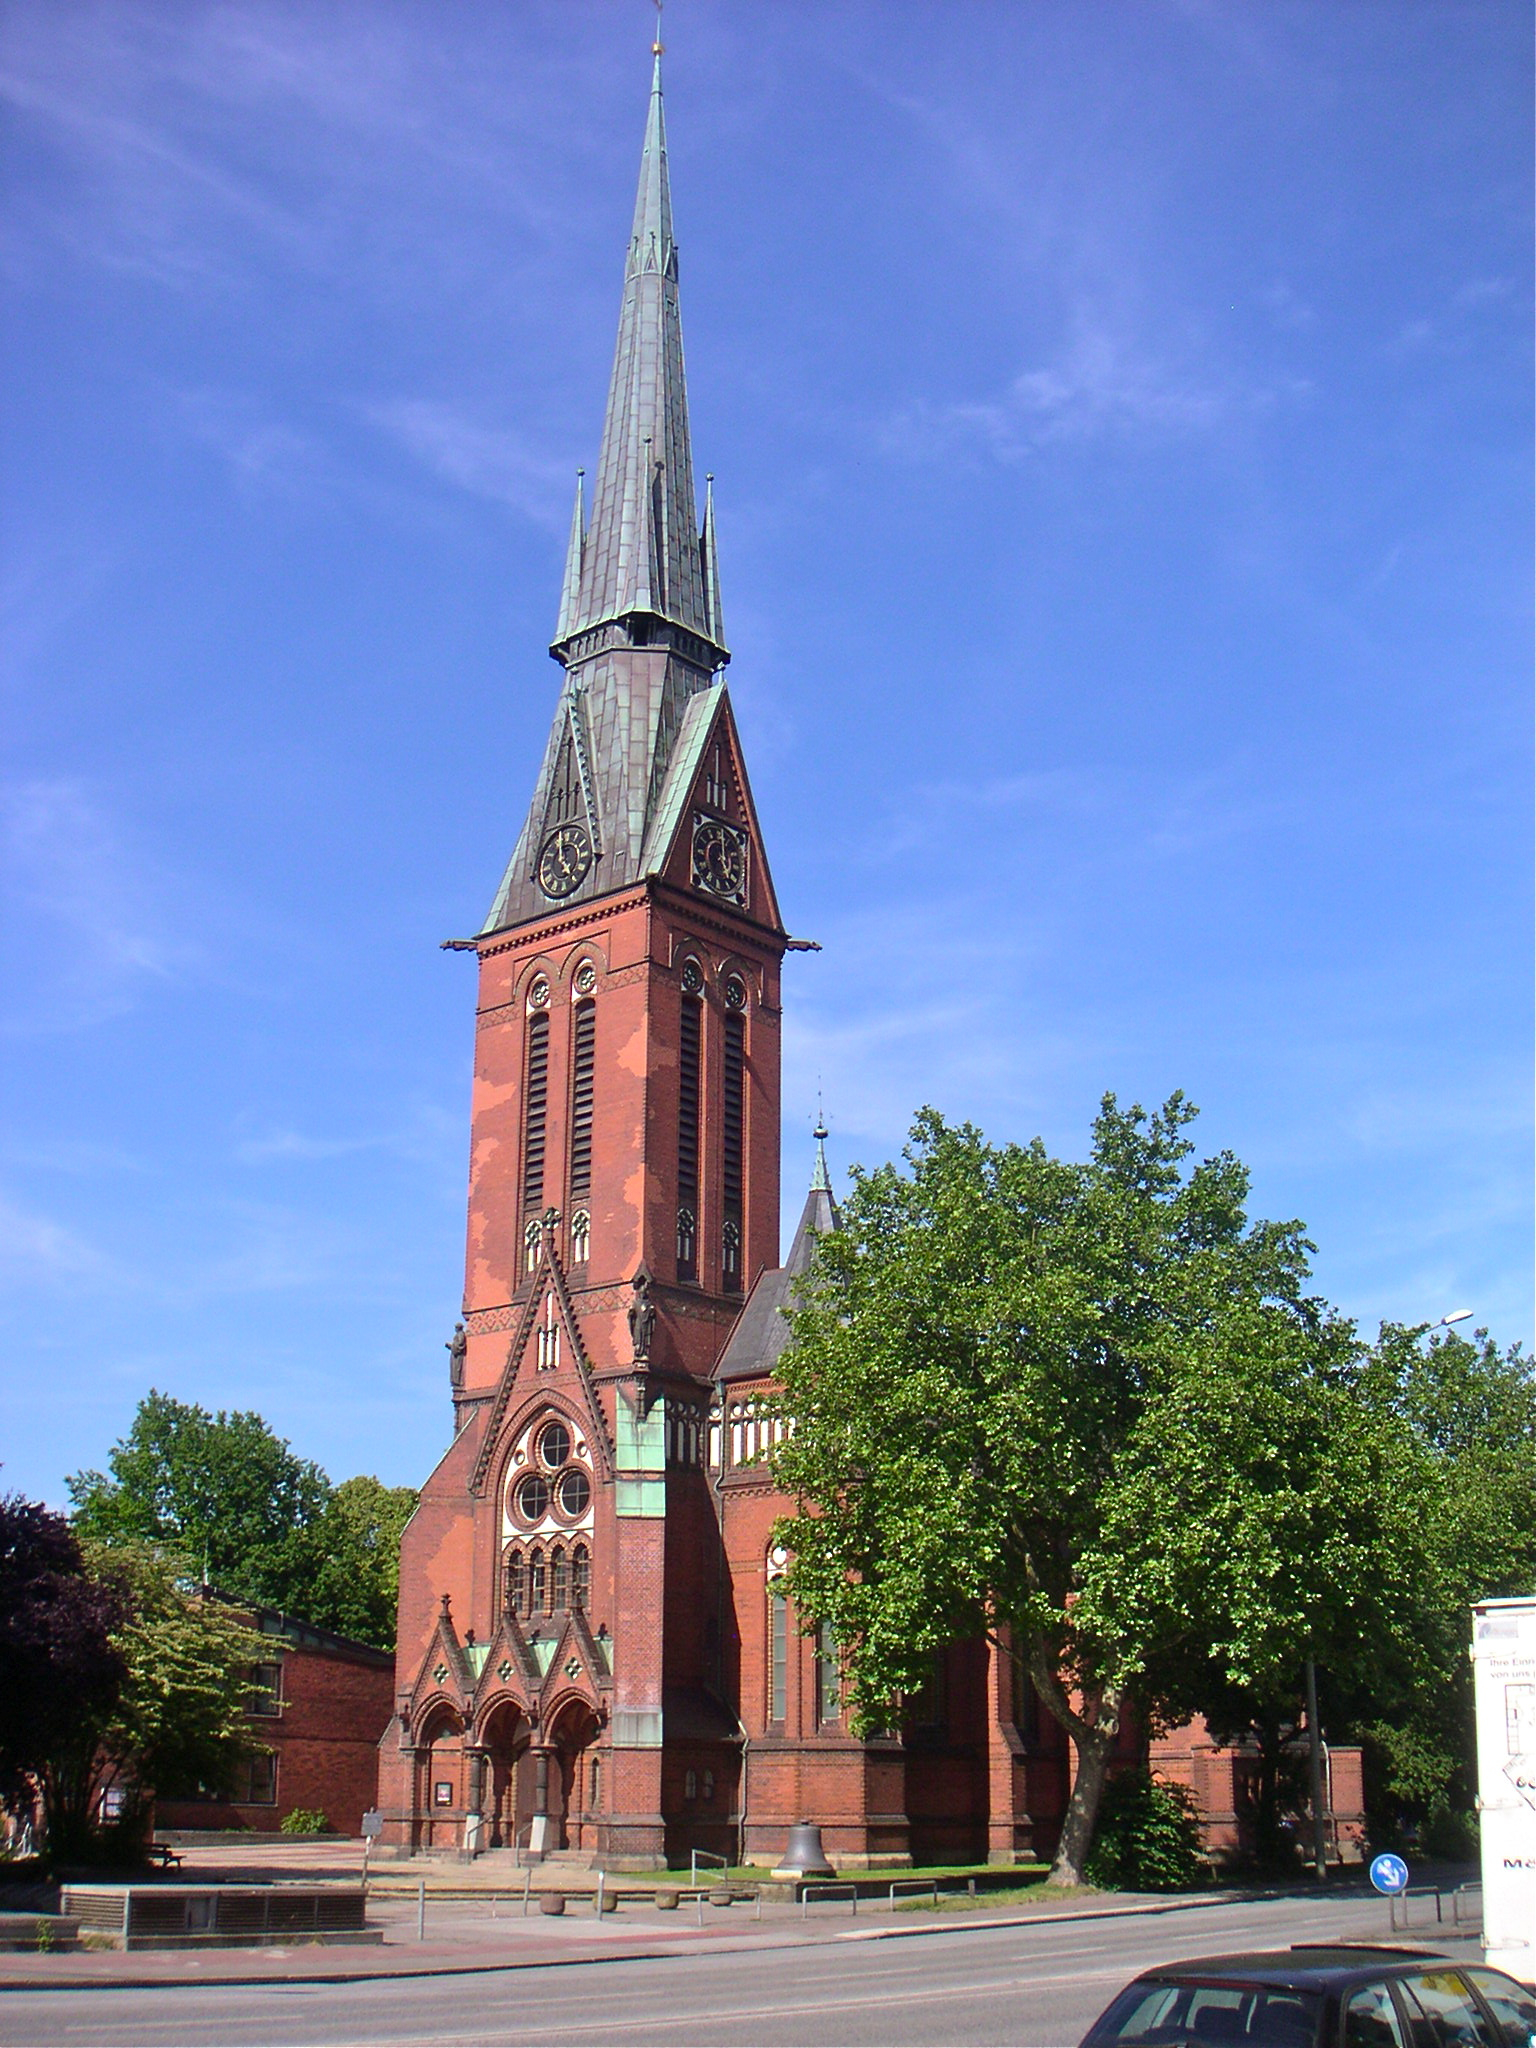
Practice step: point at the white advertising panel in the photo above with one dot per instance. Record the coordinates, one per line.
(1504, 1668)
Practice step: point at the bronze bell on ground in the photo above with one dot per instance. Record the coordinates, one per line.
(805, 1856)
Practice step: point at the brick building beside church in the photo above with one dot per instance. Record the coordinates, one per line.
(594, 1655)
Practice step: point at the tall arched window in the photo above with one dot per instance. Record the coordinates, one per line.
(581, 1577)
(515, 1597)
(829, 1676)
(778, 1650)
(689, 1040)
(732, 1121)
(559, 1580)
(583, 1064)
(536, 1583)
(535, 1107)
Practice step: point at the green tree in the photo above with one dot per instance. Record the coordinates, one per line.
(356, 1588)
(61, 1675)
(179, 1722)
(1465, 1415)
(222, 1491)
(1090, 1407)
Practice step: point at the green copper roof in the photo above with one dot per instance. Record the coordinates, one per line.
(639, 631)
(642, 550)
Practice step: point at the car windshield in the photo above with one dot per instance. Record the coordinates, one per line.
(1167, 2013)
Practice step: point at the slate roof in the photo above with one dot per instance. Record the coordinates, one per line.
(762, 1329)
(639, 631)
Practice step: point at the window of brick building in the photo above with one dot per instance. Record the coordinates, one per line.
(535, 1105)
(690, 1035)
(778, 1651)
(265, 1702)
(583, 1069)
(829, 1676)
(261, 1779)
(732, 1127)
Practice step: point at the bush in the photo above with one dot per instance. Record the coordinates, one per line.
(304, 1821)
(1451, 1837)
(1147, 1838)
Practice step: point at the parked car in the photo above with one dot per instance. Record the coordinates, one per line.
(1313, 1997)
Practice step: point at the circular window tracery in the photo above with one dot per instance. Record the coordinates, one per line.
(533, 1497)
(735, 993)
(586, 978)
(573, 1493)
(693, 977)
(538, 994)
(554, 1445)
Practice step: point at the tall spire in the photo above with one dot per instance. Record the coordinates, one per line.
(639, 633)
(641, 555)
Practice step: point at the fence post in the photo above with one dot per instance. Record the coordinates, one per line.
(421, 1909)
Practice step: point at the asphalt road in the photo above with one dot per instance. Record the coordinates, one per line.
(1038, 1987)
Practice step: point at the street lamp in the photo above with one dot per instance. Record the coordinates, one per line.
(1457, 1315)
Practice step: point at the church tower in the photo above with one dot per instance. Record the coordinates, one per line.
(561, 1582)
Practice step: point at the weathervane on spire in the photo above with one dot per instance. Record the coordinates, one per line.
(658, 46)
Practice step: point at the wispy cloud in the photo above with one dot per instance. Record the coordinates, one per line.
(70, 868)
(492, 461)
(1099, 386)
(37, 1250)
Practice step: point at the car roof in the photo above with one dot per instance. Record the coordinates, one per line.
(1303, 1968)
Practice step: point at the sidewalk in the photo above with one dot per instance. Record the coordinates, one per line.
(464, 1937)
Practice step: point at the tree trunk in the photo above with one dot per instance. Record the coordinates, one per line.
(1093, 1746)
(1092, 1731)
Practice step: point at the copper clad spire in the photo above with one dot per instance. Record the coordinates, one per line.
(639, 633)
(642, 553)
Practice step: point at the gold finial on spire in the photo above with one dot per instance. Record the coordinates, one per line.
(658, 46)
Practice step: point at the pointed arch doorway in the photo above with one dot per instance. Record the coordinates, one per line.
(509, 1774)
(575, 1777)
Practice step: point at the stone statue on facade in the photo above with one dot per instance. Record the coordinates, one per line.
(642, 1317)
(456, 1347)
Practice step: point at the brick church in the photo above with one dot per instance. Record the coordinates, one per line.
(595, 1656)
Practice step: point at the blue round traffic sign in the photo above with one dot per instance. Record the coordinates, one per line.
(1389, 1874)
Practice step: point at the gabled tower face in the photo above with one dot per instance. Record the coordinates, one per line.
(624, 1183)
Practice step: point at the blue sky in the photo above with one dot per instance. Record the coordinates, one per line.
(1121, 417)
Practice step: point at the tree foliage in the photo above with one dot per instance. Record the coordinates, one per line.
(226, 1493)
(114, 1671)
(1090, 1406)
(61, 1672)
(356, 1588)
(1463, 1416)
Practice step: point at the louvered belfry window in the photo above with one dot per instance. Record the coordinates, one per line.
(583, 1055)
(732, 1119)
(535, 1108)
(688, 1137)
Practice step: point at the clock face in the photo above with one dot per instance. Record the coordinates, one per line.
(564, 859)
(720, 859)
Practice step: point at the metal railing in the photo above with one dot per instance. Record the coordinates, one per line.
(829, 1891)
(1463, 1910)
(710, 1862)
(913, 1886)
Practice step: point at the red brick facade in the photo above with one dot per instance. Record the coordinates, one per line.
(325, 1703)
